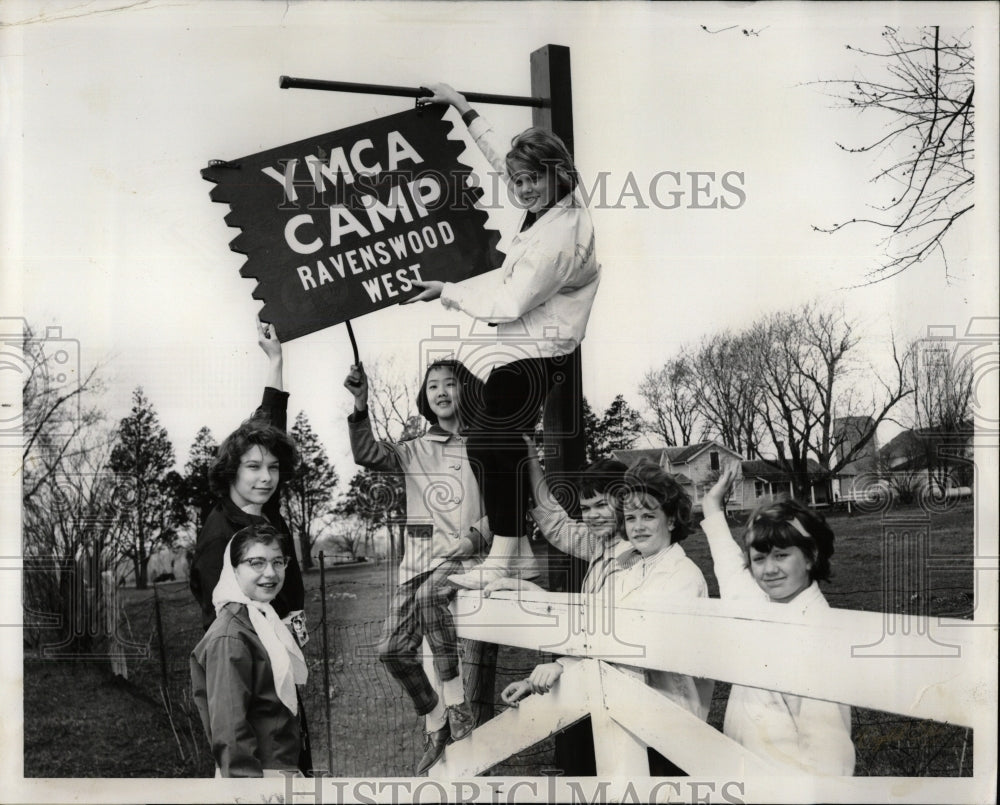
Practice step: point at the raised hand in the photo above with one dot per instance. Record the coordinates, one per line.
(713, 502)
(356, 382)
(268, 340)
(445, 93)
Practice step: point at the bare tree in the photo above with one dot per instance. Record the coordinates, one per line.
(925, 89)
(942, 416)
(392, 409)
(71, 525)
(392, 402)
(728, 390)
(345, 534)
(54, 414)
(68, 513)
(671, 396)
(808, 363)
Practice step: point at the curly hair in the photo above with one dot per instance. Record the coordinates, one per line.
(647, 478)
(262, 534)
(770, 526)
(252, 433)
(600, 477)
(470, 397)
(539, 151)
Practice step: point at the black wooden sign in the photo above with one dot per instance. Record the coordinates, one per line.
(339, 225)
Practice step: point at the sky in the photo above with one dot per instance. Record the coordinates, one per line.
(110, 109)
(114, 240)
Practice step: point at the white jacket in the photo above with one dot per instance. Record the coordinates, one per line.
(540, 298)
(647, 583)
(788, 731)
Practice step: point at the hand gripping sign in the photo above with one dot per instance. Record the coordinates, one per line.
(339, 225)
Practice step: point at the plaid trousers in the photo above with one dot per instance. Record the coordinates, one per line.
(420, 610)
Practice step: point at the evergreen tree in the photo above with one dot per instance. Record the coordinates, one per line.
(309, 495)
(141, 458)
(197, 493)
(617, 429)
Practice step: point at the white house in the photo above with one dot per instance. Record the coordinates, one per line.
(696, 466)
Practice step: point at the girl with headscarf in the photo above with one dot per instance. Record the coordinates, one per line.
(245, 669)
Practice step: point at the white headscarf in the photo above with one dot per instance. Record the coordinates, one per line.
(287, 663)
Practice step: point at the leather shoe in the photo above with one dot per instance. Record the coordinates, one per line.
(460, 720)
(434, 744)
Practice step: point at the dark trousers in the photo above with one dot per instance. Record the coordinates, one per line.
(513, 399)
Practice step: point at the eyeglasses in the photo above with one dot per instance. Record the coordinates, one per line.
(258, 563)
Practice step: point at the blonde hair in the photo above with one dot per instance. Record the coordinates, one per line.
(540, 152)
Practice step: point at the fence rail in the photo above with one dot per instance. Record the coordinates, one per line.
(919, 667)
(376, 733)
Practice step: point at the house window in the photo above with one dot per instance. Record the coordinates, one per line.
(758, 489)
(713, 457)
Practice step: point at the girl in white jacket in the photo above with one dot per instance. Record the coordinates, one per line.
(539, 301)
(785, 553)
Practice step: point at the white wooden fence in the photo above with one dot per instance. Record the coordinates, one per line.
(931, 668)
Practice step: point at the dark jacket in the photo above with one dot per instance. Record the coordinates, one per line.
(250, 729)
(226, 518)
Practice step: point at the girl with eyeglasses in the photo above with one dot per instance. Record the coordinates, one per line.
(245, 669)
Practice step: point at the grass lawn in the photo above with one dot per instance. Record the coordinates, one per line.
(80, 721)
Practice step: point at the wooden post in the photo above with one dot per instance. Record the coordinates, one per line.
(326, 662)
(481, 673)
(164, 678)
(617, 751)
(563, 418)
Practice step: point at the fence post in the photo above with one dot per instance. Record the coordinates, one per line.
(616, 750)
(119, 665)
(326, 663)
(160, 646)
(482, 667)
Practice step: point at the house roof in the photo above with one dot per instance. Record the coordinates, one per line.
(630, 457)
(679, 454)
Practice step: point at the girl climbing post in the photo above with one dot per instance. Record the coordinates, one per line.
(540, 299)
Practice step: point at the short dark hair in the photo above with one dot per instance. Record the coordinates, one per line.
(600, 477)
(647, 478)
(540, 152)
(252, 433)
(257, 534)
(470, 398)
(770, 526)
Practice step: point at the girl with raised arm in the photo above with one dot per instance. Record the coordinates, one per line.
(540, 301)
(781, 559)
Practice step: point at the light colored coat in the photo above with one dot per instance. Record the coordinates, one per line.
(442, 496)
(540, 298)
(647, 583)
(787, 731)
